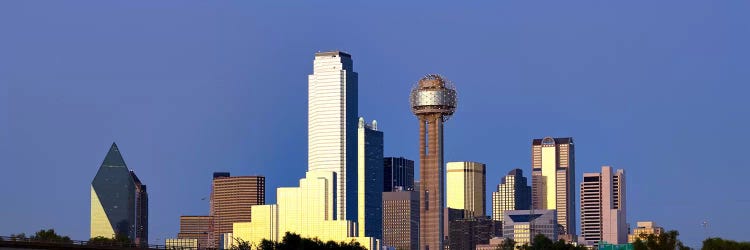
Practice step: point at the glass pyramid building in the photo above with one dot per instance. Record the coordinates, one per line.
(119, 202)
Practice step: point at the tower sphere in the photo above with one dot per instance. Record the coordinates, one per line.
(433, 94)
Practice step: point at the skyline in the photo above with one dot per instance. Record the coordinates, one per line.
(643, 120)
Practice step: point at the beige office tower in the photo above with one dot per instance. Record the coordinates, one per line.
(231, 199)
(603, 207)
(553, 177)
(465, 187)
(332, 126)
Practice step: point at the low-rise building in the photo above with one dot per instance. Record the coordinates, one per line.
(522, 225)
(643, 229)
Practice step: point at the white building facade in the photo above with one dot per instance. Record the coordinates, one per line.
(332, 126)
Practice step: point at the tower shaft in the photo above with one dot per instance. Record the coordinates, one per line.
(432, 181)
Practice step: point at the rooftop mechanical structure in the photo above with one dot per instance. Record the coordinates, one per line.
(433, 100)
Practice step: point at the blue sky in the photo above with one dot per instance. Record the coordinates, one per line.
(187, 88)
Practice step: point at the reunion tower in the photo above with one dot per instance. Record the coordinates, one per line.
(433, 101)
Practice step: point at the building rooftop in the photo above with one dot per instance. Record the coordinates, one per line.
(333, 53)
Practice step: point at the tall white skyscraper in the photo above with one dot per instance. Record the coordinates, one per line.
(332, 126)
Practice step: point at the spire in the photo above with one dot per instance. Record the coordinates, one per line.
(113, 157)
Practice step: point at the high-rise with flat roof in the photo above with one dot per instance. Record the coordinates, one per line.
(332, 126)
(119, 201)
(196, 227)
(370, 179)
(466, 187)
(401, 219)
(231, 198)
(513, 193)
(603, 207)
(553, 177)
(398, 174)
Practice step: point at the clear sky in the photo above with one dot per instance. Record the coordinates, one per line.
(186, 88)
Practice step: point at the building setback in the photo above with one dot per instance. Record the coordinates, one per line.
(466, 187)
(398, 174)
(332, 126)
(603, 207)
(119, 201)
(513, 193)
(370, 179)
(401, 219)
(553, 177)
(196, 227)
(231, 199)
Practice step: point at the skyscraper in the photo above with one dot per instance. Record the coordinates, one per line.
(553, 177)
(466, 187)
(398, 174)
(196, 227)
(513, 193)
(370, 179)
(119, 202)
(332, 126)
(603, 207)
(433, 101)
(401, 219)
(231, 198)
(141, 211)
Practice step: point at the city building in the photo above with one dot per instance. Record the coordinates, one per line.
(264, 225)
(398, 174)
(553, 177)
(643, 230)
(119, 201)
(332, 126)
(494, 244)
(196, 227)
(401, 219)
(603, 207)
(513, 193)
(466, 234)
(522, 225)
(141, 211)
(450, 214)
(370, 179)
(433, 101)
(307, 210)
(181, 244)
(466, 187)
(231, 199)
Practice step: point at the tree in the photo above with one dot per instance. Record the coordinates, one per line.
(722, 244)
(664, 241)
(118, 240)
(508, 244)
(49, 235)
(242, 245)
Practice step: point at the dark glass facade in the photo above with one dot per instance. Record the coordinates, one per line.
(119, 201)
(398, 172)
